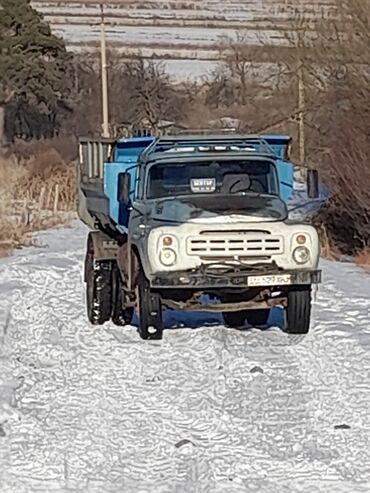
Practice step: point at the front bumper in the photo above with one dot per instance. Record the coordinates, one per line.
(234, 278)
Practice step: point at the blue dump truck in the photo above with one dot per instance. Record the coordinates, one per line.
(179, 219)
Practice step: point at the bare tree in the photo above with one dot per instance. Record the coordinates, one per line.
(6, 96)
(142, 94)
(237, 78)
(335, 67)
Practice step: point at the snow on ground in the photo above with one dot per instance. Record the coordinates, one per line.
(97, 410)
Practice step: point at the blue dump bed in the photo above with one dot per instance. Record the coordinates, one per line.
(98, 187)
(280, 145)
(124, 158)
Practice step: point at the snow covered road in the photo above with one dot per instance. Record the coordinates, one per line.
(97, 410)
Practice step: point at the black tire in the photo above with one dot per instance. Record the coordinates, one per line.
(234, 319)
(120, 316)
(150, 310)
(257, 318)
(298, 311)
(98, 276)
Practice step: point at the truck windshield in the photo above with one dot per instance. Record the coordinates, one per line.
(217, 177)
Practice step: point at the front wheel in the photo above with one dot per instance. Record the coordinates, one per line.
(150, 310)
(298, 311)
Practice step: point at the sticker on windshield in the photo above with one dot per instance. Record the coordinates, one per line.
(205, 185)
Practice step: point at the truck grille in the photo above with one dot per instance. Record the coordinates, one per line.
(226, 244)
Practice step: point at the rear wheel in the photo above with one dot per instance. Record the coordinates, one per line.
(150, 310)
(256, 318)
(120, 316)
(98, 276)
(298, 311)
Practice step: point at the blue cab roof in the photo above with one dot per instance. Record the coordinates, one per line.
(136, 140)
(283, 139)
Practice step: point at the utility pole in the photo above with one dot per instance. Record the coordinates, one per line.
(301, 109)
(104, 78)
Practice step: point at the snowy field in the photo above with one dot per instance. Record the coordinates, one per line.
(180, 31)
(210, 409)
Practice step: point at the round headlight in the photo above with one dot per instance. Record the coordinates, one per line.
(167, 240)
(168, 257)
(301, 239)
(301, 255)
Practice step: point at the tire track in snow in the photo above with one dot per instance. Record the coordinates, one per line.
(208, 410)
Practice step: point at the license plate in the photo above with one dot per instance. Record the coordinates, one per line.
(279, 280)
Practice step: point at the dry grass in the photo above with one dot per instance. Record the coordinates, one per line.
(328, 250)
(35, 194)
(46, 172)
(10, 176)
(363, 259)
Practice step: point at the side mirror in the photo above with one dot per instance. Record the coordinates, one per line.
(123, 188)
(313, 184)
(287, 151)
